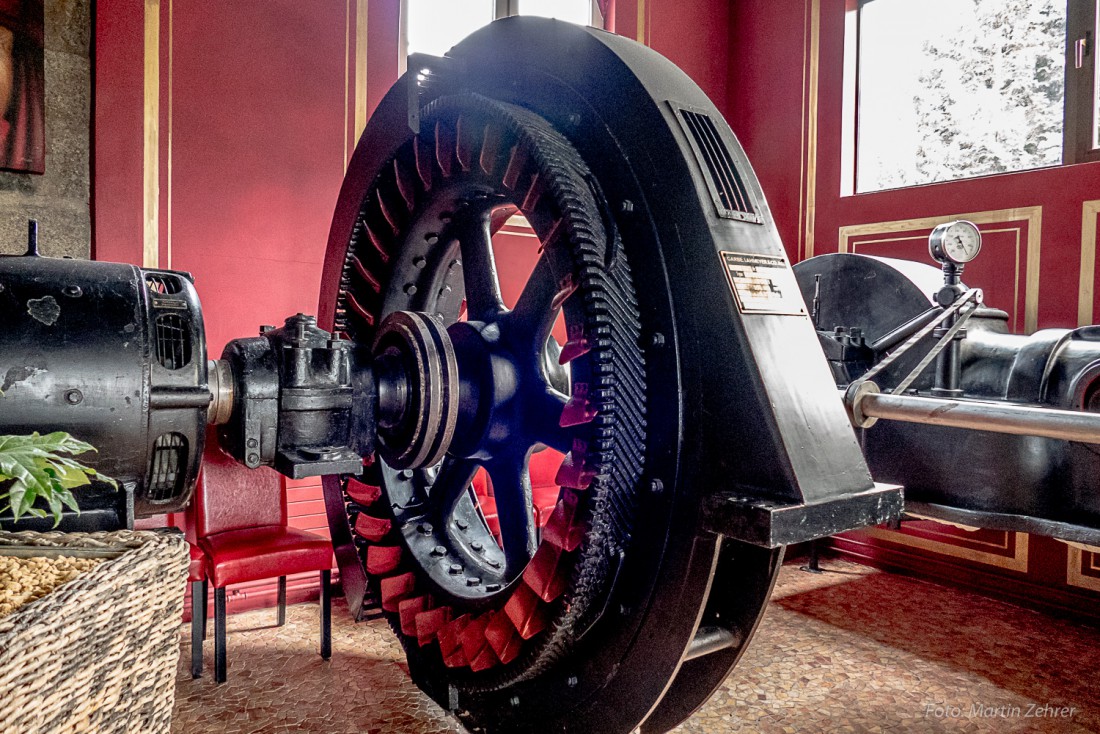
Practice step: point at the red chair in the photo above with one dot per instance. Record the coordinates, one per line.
(241, 525)
(196, 576)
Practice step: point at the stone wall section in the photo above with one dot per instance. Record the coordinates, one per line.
(60, 198)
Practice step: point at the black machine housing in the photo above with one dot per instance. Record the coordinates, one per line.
(975, 478)
(116, 356)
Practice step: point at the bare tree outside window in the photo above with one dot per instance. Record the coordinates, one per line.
(952, 89)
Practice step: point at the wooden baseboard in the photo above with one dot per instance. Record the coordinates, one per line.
(1059, 602)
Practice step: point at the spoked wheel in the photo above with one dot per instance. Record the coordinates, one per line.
(572, 610)
(483, 393)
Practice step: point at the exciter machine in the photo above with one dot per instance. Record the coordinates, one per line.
(692, 398)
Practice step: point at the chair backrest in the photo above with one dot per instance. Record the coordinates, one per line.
(230, 496)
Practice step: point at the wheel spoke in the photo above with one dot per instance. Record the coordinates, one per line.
(450, 484)
(543, 418)
(512, 492)
(535, 312)
(479, 271)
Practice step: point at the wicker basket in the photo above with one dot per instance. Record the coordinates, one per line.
(99, 653)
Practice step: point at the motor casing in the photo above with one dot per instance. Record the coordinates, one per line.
(114, 355)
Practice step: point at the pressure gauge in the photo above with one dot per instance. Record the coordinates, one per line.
(956, 242)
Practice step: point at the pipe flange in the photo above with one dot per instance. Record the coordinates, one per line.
(853, 401)
(417, 375)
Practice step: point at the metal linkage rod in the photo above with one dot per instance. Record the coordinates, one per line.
(1068, 425)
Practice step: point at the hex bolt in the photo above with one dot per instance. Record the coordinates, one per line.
(574, 119)
(627, 206)
(461, 524)
(431, 238)
(494, 563)
(420, 261)
(405, 474)
(472, 581)
(656, 486)
(572, 681)
(73, 397)
(455, 568)
(658, 339)
(514, 701)
(253, 459)
(252, 443)
(477, 546)
(439, 551)
(492, 587)
(424, 528)
(410, 289)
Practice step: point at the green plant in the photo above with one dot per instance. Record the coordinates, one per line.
(33, 466)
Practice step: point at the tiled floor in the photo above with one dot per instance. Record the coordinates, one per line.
(852, 650)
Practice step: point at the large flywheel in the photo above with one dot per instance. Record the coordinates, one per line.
(614, 599)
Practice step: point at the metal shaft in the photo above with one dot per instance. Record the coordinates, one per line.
(1068, 425)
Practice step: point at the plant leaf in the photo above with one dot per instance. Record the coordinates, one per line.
(36, 468)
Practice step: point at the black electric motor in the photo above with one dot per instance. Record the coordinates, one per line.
(116, 356)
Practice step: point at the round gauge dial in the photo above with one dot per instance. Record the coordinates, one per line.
(957, 242)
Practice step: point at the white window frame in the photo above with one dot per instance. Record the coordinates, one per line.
(503, 9)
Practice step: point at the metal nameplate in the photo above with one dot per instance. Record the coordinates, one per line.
(763, 283)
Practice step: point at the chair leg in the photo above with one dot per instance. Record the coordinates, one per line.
(205, 600)
(326, 615)
(198, 600)
(282, 600)
(219, 634)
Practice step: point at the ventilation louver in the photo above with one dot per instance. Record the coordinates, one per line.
(166, 474)
(173, 341)
(727, 189)
(162, 284)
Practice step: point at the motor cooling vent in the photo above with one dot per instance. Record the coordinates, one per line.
(727, 189)
(162, 284)
(173, 341)
(166, 473)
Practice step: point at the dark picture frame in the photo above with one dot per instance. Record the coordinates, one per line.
(22, 86)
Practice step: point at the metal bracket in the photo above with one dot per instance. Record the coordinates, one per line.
(771, 525)
(426, 75)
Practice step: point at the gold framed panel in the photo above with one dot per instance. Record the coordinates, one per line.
(1074, 576)
(1033, 215)
(1018, 561)
(807, 195)
(1090, 210)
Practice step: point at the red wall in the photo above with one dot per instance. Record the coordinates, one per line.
(785, 103)
(254, 119)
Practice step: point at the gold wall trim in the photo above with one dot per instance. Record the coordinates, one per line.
(150, 256)
(360, 67)
(1033, 215)
(1016, 258)
(347, 87)
(168, 244)
(1018, 561)
(1074, 577)
(1087, 290)
(641, 28)
(812, 75)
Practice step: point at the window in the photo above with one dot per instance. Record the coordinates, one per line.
(949, 89)
(1082, 83)
(434, 26)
